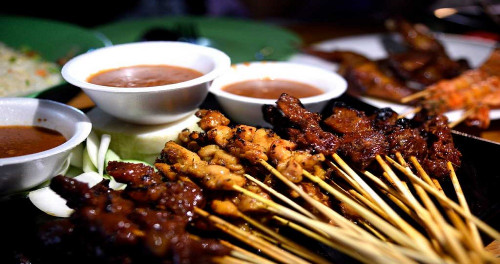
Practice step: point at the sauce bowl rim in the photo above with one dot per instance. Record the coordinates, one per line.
(83, 128)
(217, 90)
(220, 59)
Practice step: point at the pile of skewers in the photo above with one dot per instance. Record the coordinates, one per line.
(364, 186)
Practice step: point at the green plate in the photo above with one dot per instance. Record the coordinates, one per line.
(241, 40)
(51, 39)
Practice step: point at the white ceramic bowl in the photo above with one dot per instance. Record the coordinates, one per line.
(248, 110)
(27, 171)
(148, 105)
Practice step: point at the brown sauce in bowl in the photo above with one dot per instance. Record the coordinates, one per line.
(143, 76)
(23, 140)
(272, 89)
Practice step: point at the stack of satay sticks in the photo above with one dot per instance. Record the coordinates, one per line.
(393, 210)
(365, 186)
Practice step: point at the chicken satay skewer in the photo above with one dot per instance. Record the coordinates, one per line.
(450, 242)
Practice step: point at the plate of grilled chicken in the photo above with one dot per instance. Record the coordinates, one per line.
(411, 68)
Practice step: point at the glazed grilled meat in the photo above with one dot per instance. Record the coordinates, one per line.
(146, 222)
(361, 138)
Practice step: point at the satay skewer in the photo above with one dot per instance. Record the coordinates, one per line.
(281, 197)
(480, 224)
(394, 217)
(414, 96)
(371, 248)
(285, 242)
(338, 246)
(463, 202)
(241, 253)
(454, 218)
(450, 240)
(251, 240)
(388, 229)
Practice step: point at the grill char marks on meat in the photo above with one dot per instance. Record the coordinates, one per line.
(145, 222)
(305, 128)
(361, 138)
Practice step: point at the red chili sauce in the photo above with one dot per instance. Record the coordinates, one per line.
(23, 140)
(271, 89)
(143, 76)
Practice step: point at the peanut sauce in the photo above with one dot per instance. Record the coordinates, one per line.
(143, 76)
(271, 89)
(23, 140)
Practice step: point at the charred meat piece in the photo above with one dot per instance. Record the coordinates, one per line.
(361, 148)
(311, 135)
(348, 120)
(110, 226)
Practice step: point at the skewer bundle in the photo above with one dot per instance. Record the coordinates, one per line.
(402, 213)
(266, 192)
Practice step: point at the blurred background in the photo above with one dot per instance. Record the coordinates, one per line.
(466, 16)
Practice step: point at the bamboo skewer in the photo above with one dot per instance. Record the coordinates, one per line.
(328, 212)
(344, 236)
(423, 243)
(285, 242)
(256, 242)
(381, 224)
(417, 95)
(463, 202)
(229, 260)
(409, 112)
(281, 197)
(463, 117)
(241, 253)
(454, 218)
(449, 242)
(338, 246)
(480, 224)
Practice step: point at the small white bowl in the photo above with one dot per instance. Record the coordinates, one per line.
(27, 171)
(148, 105)
(248, 110)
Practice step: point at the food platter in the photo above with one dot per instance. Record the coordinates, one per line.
(373, 46)
(242, 40)
(134, 211)
(40, 35)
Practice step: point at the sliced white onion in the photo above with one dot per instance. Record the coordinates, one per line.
(92, 145)
(87, 165)
(51, 203)
(101, 154)
(76, 156)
